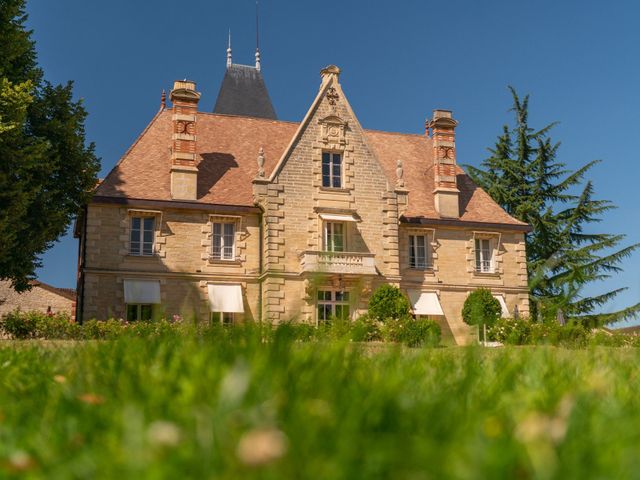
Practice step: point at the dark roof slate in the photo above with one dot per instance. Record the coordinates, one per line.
(243, 92)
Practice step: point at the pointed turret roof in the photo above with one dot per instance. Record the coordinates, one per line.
(243, 92)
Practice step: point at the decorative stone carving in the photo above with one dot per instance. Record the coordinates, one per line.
(446, 153)
(261, 163)
(332, 96)
(333, 130)
(399, 174)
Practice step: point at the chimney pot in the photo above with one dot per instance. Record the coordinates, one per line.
(439, 113)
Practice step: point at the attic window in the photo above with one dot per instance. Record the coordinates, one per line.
(331, 170)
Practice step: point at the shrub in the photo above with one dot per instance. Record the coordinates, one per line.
(27, 325)
(481, 308)
(410, 332)
(510, 332)
(388, 302)
(335, 329)
(20, 325)
(302, 332)
(523, 332)
(366, 329)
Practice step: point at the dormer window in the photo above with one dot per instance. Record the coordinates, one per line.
(331, 170)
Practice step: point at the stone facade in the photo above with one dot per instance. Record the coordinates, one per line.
(281, 260)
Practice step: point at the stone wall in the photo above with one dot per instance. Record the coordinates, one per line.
(38, 298)
(181, 260)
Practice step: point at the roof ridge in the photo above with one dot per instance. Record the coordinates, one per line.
(248, 116)
(419, 135)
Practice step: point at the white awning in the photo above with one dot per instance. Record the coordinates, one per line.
(425, 303)
(141, 291)
(338, 217)
(503, 306)
(225, 298)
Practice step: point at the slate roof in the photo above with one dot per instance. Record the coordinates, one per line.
(228, 146)
(243, 92)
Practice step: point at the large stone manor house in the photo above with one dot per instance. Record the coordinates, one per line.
(235, 215)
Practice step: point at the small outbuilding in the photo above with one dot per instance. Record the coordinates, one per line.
(41, 297)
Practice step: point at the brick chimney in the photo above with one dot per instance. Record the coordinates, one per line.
(184, 174)
(446, 191)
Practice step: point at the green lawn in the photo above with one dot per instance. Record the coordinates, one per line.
(235, 407)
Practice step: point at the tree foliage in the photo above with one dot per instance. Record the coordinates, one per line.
(388, 302)
(524, 176)
(46, 170)
(481, 308)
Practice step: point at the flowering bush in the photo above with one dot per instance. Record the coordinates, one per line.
(524, 332)
(410, 332)
(366, 329)
(26, 325)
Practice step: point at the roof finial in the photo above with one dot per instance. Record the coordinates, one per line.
(257, 39)
(229, 51)
(163, 100)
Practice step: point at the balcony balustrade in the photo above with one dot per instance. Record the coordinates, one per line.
(354, 263)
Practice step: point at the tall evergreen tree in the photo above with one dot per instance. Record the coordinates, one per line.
(46, 170)
(525, 177)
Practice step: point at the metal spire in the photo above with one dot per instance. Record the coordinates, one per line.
(229, 51)
(257, 39)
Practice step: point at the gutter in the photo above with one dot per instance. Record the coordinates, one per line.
(445, 222)
(177, 204)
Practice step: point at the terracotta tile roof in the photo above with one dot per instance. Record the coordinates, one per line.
(416, 153)
(228, 148)
(68, 293)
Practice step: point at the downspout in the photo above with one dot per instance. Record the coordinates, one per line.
(82, 256)
(260, 269)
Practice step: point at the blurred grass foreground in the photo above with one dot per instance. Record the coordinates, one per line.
(233, 405)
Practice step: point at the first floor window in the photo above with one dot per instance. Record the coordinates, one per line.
(484, 255)
(141, 237)
(224, 318)
(419, 252)
(334, 236)
(224, 234)
(331, 170)
(332, 304)
(139, 311)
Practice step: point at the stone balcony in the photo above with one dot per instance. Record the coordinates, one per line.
(351, 263)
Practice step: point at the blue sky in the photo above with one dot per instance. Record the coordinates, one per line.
(577, 59)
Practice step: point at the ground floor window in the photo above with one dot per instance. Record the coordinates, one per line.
(332, 304)
(139, 311)
(224, 318)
